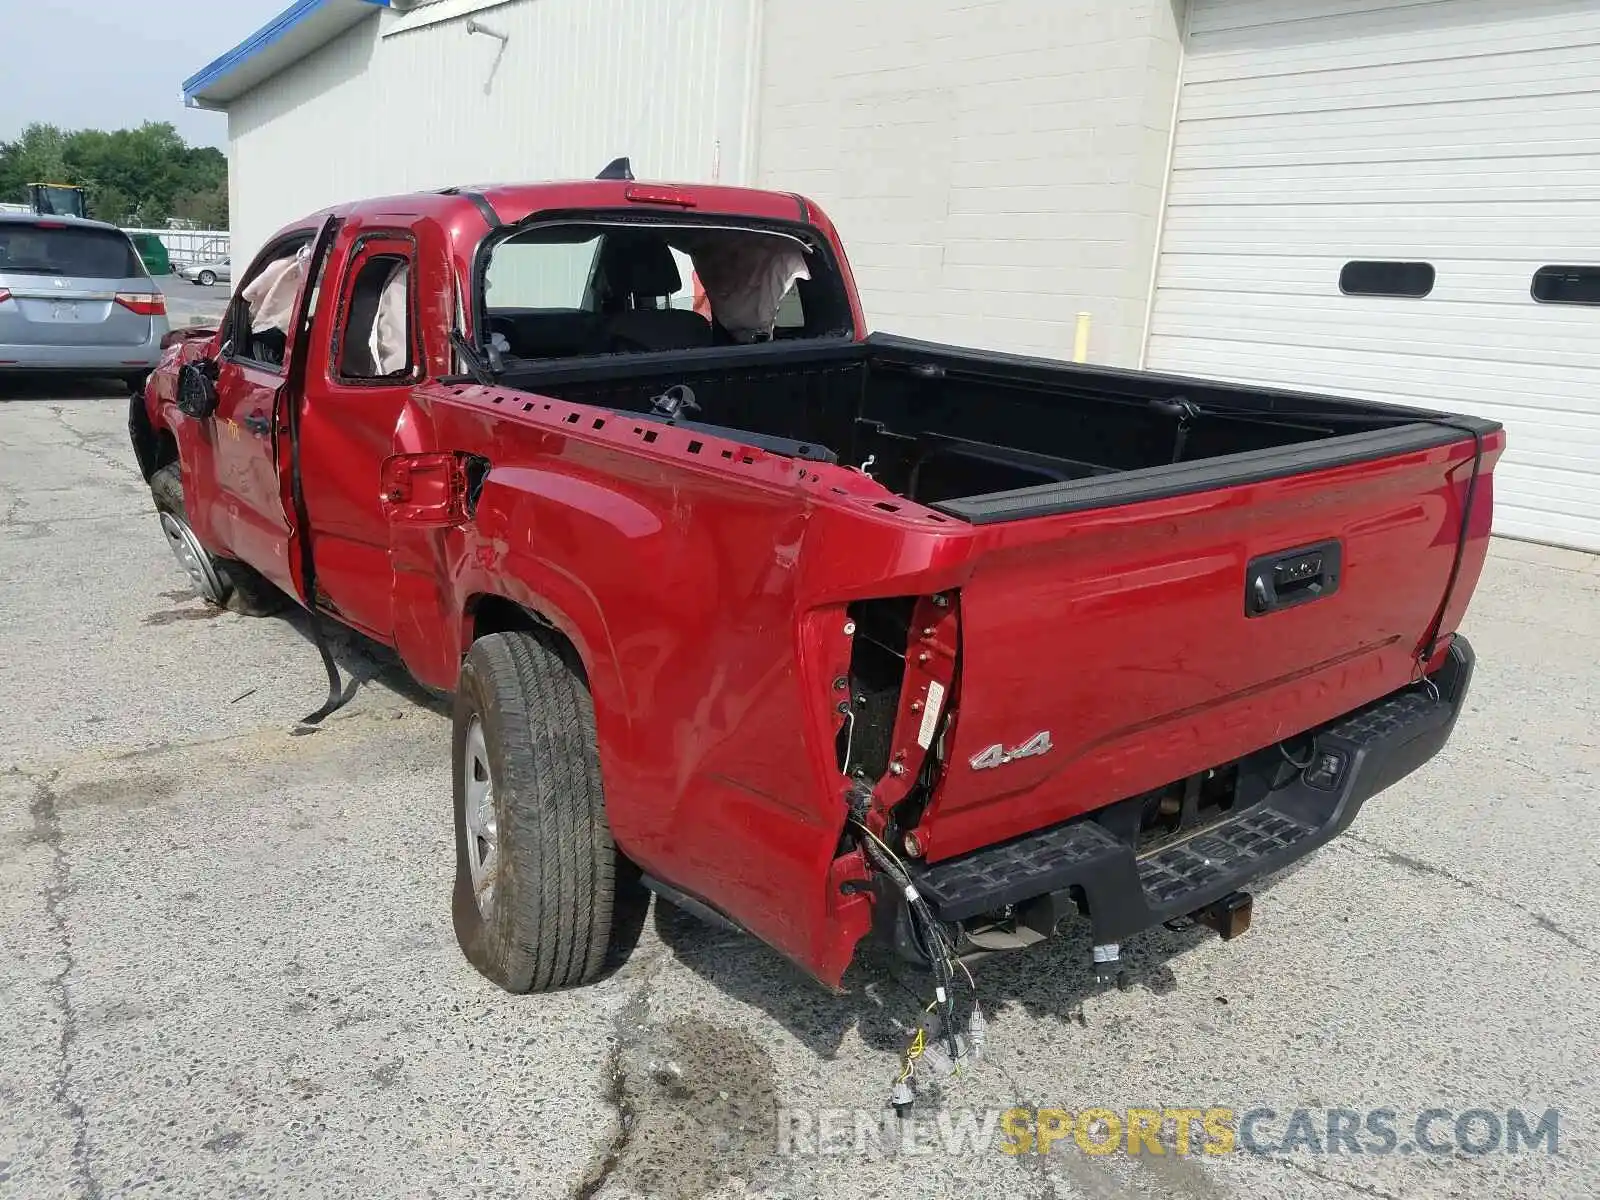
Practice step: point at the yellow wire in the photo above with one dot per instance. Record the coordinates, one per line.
(884, 844)
(913, 1052)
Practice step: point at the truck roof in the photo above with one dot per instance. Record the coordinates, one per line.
(29, 218)
(510, 203)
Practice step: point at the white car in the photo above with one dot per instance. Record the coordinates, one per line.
(207, 274)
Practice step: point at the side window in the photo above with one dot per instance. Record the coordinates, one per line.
(259, 317)
(377, 321)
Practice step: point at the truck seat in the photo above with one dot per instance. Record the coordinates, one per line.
(642, 277)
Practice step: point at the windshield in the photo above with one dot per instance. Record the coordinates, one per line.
(57, 200)
(579, 288)
(30, 249)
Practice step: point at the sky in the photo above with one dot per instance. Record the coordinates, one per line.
(114, 64)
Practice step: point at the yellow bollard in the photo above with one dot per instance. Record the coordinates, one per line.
(1080, 340)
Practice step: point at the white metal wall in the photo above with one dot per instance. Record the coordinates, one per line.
(577, 83)
(994, 166)
(1463, 133)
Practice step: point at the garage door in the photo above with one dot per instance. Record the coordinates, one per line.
(1402, 201)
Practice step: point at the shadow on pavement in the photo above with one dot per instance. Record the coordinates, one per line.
(39, 386)
(360, 661)
(882, 994)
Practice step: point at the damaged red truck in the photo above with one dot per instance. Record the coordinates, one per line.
(813, 631)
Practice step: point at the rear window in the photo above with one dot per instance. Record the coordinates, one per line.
(576, 288)
(29, 249)
(547, 273)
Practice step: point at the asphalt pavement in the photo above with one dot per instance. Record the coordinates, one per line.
(190, 304)
(227, 966)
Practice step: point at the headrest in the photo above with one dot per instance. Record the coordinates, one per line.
(643, 268)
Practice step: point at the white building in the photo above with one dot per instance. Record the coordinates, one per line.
(1389, 198)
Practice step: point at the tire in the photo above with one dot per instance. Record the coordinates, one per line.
(207, 279)
(557, 904)
(223, 582)
(251, 594)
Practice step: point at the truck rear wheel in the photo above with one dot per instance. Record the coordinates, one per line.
(223, 582)
(543, 898)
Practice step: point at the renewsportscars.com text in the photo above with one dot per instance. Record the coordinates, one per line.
(1170, 1130)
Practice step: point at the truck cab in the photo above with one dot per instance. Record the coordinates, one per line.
(58, 200)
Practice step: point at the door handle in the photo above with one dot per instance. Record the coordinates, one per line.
(1290, 577)
(258, 423)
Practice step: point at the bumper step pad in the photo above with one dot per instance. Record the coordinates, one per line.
(1227, 851)
(1011, 872)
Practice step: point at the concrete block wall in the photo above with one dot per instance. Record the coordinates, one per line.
(995, 166)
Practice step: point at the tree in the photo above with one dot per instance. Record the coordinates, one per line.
(38, 156)
(133, 177)
(207, 209)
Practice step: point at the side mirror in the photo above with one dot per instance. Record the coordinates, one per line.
(197, 389)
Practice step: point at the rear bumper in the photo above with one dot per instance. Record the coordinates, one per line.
(1277, 818)
(104, 360)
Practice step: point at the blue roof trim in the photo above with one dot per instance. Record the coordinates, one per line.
(257, 43)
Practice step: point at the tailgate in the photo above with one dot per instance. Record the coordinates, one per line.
(1138, 642)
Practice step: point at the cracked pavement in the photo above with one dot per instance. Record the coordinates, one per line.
(227, 969)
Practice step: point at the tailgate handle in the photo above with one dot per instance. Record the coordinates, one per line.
(1288, 578)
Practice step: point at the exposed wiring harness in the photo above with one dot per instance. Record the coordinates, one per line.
(1311, 756)
(940, 952)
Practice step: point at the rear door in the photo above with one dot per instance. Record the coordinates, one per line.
(74, 285)
(367, 354)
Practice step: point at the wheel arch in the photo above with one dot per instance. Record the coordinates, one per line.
(586, 650)
(577, 632)
(488, 612)
(154, 446)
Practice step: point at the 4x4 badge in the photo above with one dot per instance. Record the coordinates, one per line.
(998, 756)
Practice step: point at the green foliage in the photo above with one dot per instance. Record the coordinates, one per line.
(135, 177)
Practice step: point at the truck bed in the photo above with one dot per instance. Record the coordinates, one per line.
(1154, 576)
(988, 437)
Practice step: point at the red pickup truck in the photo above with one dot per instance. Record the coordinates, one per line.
(814, 632)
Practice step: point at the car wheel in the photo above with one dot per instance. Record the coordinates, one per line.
(223, 582)
(208, 278)
(136, 380)
(543, 898)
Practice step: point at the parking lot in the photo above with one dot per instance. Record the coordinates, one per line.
(227, 965)
(191, 304)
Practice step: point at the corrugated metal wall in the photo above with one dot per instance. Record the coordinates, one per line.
(1464, 135)
(576, 83)
(995, 166)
